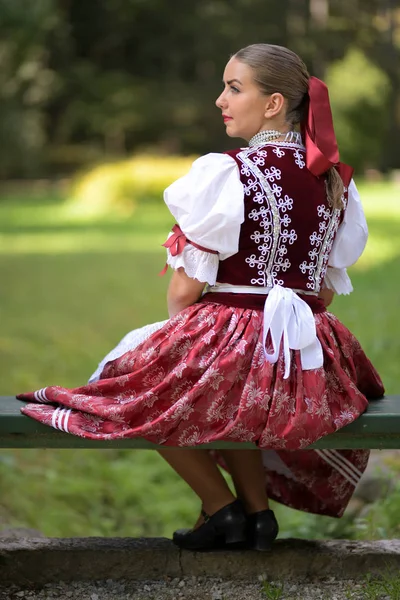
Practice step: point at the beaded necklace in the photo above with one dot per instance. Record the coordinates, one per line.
(269, 135)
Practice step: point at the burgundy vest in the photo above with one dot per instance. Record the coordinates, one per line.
(288, 227)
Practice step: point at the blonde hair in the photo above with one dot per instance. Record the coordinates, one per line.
(278, 69)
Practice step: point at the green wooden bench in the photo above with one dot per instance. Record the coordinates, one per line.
(377, 428)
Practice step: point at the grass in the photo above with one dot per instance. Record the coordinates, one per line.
(71, 289)
(383, 587)
(386, 586)
(272, 591)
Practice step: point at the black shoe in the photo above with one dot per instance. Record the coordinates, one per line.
(262, 529)
(224, 529)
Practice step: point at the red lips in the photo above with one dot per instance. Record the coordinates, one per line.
(226, 118)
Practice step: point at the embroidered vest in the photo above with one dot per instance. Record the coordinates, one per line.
(289, 227)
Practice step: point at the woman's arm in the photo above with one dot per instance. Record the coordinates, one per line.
(182, 292)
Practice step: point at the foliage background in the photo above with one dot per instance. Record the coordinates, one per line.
(85, 81)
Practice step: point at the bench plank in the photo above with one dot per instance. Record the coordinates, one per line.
(377, 428)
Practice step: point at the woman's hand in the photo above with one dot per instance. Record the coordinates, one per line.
(326, 295)
(182, 292)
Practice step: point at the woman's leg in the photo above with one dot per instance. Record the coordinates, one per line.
(248, 475)
(201, 473)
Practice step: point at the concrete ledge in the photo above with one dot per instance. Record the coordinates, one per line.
(36, 561)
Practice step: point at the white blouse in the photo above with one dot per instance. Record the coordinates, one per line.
(208, 205)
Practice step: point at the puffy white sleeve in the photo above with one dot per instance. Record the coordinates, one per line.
(208, 206)
(349, 244)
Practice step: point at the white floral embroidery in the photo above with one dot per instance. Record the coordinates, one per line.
(190, 436)
(299, 159)
(240, 433)
(259, 160)
(181, 347)
(179, 320)
(283, 403)
(122, 380)
(253, 394)
(126, 397)
(179, 369)
(180, 390)
(233, 322)
(207, 337)
(212, 377)
(276, 190)
(241, 374)
(273, 219)
(240, 348)
(244, 170)
(154, 377)
(181, 410)
(256, 397)
(278, 151)
(149, 354)
(321, 241)
(206, 318)
(345, 416)
(217, 410)
(207, 358)
(149, 399)
(304, 442)
(271, 440)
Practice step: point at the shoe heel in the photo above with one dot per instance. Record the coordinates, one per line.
(262, 546)
(235, 536)
(262, 530)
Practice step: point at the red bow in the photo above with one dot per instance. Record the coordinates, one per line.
(176, 243)
(319, 135)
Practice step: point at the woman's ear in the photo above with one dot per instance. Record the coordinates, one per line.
(274, 105)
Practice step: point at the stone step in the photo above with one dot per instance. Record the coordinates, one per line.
(37, 561)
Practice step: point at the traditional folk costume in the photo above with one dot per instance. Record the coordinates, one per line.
(257, 358)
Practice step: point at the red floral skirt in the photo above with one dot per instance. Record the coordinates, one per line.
(203, 377)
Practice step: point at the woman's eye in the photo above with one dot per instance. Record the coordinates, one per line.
(234, 89)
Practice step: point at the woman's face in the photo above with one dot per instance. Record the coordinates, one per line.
(243, 105)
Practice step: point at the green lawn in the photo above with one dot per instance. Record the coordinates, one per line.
(71, 289)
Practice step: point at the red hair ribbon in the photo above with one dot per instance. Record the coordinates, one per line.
(176, 243)
(322, 151)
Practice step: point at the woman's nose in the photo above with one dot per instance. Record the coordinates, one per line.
(220, 101)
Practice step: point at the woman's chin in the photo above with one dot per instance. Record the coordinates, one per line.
(231, 132)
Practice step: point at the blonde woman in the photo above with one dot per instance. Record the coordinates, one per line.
(263, 237)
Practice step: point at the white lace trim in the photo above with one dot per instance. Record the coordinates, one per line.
(130, 341)
(197, 264)
(338, 281)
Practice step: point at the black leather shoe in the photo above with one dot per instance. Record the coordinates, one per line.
(224, 529)
(262, 529)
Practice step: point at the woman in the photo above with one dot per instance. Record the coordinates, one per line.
(270, 229)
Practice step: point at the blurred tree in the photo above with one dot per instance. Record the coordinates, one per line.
(26, 83)
(373, 26)
(83, 81)
(356, 105)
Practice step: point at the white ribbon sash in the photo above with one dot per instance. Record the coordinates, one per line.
(285, 316)
(288, 317)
